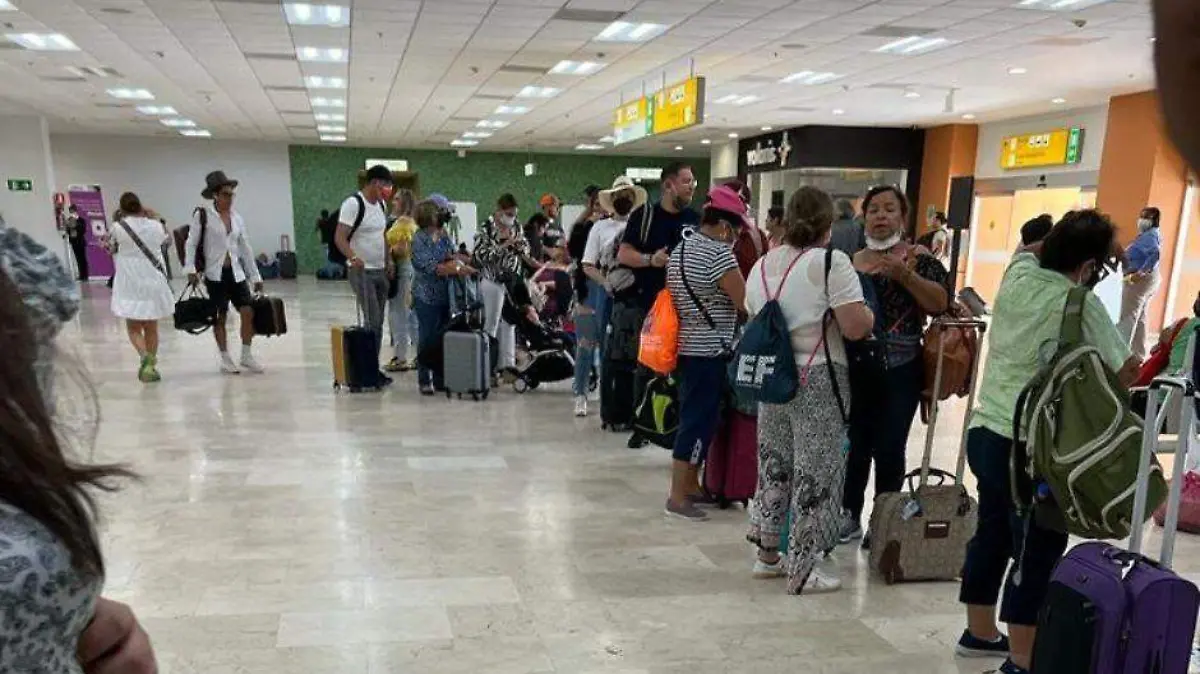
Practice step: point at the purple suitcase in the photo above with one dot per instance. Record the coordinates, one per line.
(1113, 611)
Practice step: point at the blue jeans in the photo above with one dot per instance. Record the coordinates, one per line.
(402, 320)
(431, 323)
(590, 330)
(1002, 536)
(701, 384)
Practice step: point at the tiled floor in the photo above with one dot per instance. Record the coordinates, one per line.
(282, 528)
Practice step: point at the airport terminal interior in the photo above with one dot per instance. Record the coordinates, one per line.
(287, 516)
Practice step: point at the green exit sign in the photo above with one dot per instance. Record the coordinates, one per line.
(20, 185)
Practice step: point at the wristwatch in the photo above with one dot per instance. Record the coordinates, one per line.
(648, 259)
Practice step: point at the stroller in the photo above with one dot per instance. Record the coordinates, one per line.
(548, 350)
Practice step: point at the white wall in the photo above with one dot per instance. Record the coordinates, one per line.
(724, 160)
(25, 153)
(1093, 121)
(168, 174)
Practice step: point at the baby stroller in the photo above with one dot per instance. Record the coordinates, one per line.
(549, 351)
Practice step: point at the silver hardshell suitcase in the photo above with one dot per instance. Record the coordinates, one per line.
(466, 364)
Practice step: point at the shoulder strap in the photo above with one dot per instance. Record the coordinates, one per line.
(692, 293)
(843, 409)
(137, 241)
(358, 219)
(786, 273)
(647, 219)
(1072, 323)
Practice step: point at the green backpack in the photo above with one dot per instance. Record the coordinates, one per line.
(1083, 440)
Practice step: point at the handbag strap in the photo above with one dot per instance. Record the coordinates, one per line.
(137, 241)
(695, 298)
(843, 409)
(779, 290)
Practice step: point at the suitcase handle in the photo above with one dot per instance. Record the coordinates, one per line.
(980, 328)
(941, 475)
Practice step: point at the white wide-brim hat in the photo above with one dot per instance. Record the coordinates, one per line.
(623, 184)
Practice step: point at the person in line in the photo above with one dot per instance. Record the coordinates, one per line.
(593, 310)
(226, 263)
(535, 234)
(401, 319)
(751, 243)
(775, 225)
(141, 295)
(707, 290)
(646, 244)
(434, 262)
(77, 236)
(1141, 280)
(801, 456)
(502, 252)
(369, 267)
(554, 237)
(910, 284)
(1027, 314)
(55, 618)
(937, 238)
(1036, 229)
(849, 235)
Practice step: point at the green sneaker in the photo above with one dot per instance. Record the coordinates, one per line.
(148, 373)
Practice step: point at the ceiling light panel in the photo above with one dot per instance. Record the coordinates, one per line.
(6, 6)
(322, 54)
(625, 31)
(538, 92)
(491, 124)
(810, 77)
(319, 82)
(460, 142)
(323, 102)
(588, 147)
(178, 123)
(331, 128)
(333, 138)
(736, 99)
(511, 110)
(126, 94)
(913, 44)
(304, 14)
(477, 134)
(579, 68)
(158, 110)
(1059, 5)
(42, 41)
(196, 133)
(329, 117)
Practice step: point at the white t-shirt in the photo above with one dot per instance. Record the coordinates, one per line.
(603, 233)
(803, 299)
(368, 241)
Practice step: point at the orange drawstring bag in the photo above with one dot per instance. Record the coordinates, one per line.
(658, 348)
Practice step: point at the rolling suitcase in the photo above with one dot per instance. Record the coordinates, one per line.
(1114, 611)
(731, 470)
(269, 317)
(288, 265)
(922, 533)
(616, 395)
(466, 364)
(355, 353)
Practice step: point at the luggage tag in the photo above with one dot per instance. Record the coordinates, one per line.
(910, 509)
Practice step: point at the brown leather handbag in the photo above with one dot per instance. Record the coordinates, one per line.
(958, 347)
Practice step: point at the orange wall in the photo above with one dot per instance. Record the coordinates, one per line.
(949, 153)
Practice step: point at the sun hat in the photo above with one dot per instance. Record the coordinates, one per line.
(725, 198)
(622, 184)
(214, 182)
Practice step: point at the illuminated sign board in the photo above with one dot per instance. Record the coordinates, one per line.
(632, 121)
(1051, 148)
(679, 106)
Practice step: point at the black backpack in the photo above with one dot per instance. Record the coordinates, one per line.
(335, 253)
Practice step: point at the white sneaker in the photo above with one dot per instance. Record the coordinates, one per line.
(581, 406)
(228, 366)
(823, 579)
(251, 365)
(762, 570)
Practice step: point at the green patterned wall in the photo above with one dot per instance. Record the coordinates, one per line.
(322, 176)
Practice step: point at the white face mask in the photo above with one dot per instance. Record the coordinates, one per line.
(1144, 224)
(883, 244)
(508, 220)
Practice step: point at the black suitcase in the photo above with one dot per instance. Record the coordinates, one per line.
(355, 359)
(617, 394)
(269, 317)
(288, 265)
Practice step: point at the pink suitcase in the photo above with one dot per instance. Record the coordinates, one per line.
(731, 471)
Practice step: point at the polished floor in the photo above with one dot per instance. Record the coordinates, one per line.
(283, 528)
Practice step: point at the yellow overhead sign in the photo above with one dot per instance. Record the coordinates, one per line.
(679, 106)
(1050, 148)
(632, 121)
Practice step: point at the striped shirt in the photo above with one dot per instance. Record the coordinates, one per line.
(703, 261)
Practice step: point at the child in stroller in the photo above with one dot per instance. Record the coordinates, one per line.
(547, 350)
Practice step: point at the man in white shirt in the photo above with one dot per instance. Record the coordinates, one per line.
(219, 251)
(361, 237)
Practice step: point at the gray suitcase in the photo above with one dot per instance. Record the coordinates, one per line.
(465, 363)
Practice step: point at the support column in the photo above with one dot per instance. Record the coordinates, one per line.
(1140, 167)
(26, 156)
(949, 153)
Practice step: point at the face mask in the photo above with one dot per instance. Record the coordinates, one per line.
(1144, 224)
(883, 244)
(508, 220)
(622, 205)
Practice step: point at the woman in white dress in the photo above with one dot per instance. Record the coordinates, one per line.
(141, 294)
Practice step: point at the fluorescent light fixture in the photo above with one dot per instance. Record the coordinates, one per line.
(914, 44)
(333, 139)
(89, 71)
(6, 6)
(625, 31)
(164, 110)
(588, 147)
(195, 133)
(459, 142)
(477, 134)
(1058, 101)
(912, 94)
(809, 77)
(736, 99)
(607, 139)
(678, 148)
(329, 117)
(178, 123)
(839, 111)
(331, 128)
(538, 92)
(705, 141)
(1059, 5)
(131, 94)
(321, 102)
(318, 82)
(42, 41)
(322, 54)
(304, 14)
(733, 135)
(491, 124)
(1017, 70)
(511, 110)
(581, 68)
(767, 128)
(969, 116)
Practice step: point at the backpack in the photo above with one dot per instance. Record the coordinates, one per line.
(335, 253)
(1083, 440)
(763, 369)
(619, 276)
(657, 415)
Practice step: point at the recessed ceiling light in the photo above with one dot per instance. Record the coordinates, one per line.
(733, 135)
(131, 94)
(318, 82)
(491, 124)
(321, 102)
(157, 110)
(589, 147)
(735, 99)
(195, 133)
(459, 142)
(304, 14)
(538, 92)
(767, 128)
(912, 94)
(329, 117)
(705, 141)
(839, 111)
(576, 68)
(1017, 70)
(624, 31)
(1058, 101)
(90, 71)
(511, 110)
(333, 139)
(6, 6)
(42, 41)
(178, 123)
(809, 77)
(331, 128)
(968, 116)
(607, 139)
(322, 54)
(914, 44)
(477, 134)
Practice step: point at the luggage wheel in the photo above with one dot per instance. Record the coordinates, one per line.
(521, 385)
(724, 503)
(475, 397)
(485, 394)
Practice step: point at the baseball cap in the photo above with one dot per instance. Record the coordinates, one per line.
(381, 173)
(724, 198)
(441, 202)
(548, 199)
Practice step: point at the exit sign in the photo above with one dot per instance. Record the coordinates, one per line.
(20, 185)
